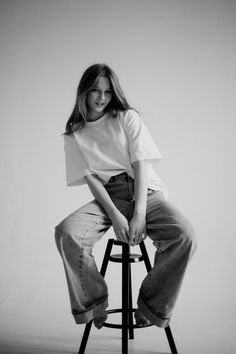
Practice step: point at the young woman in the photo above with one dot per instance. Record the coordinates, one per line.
(108, 147)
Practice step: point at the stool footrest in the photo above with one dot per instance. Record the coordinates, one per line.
(119, 326)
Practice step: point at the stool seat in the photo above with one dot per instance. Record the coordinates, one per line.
(127, 324)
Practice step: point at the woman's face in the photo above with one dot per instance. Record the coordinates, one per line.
(98, 98)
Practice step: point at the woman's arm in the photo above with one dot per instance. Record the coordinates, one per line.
(138, 222)
(119, 221)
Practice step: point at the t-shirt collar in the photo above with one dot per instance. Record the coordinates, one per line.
(97, 122)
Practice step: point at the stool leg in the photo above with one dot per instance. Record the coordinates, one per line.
(125, 297)
(106, 257)
(131, 329)
(85, 338)
(145, 256)
(102, 272)
(171, 340)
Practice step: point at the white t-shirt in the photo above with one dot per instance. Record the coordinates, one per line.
(108, 147)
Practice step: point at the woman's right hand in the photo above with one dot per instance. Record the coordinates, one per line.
(120, 225)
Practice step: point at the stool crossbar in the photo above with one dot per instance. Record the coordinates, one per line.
(127, 325)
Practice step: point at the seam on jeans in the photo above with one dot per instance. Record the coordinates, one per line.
(81, 256)
(89, 229)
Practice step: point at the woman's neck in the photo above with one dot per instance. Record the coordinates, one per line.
(92, 117)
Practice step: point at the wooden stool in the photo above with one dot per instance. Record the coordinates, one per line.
(127, 326)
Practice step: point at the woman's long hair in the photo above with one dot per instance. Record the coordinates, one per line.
(89, 79)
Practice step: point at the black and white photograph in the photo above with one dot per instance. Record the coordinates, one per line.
(118, 177)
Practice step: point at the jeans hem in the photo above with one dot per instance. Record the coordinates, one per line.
(89, 314)
(153, 316)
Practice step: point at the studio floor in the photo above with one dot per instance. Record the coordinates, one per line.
(60, 335)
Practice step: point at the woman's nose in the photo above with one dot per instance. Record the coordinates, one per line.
(102, 95)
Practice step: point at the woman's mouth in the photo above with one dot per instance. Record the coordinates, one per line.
(100, 104)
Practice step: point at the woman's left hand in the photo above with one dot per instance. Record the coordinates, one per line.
(137, 230)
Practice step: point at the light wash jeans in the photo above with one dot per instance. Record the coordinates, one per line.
(172, 236)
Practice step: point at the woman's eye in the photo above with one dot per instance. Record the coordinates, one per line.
(97, 91)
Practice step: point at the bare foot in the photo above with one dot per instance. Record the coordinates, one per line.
(100, 319)
(140, 319)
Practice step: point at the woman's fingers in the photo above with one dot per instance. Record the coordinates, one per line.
(125, 238)
(120, 226)
(122, 235)
(131, 237)
(137, 239)
(136, 230)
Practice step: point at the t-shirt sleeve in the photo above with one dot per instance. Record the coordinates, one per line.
(76, 167)
(141, 144)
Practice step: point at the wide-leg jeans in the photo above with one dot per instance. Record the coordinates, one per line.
(172, 236)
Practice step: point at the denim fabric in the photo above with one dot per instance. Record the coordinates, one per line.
(172, 236)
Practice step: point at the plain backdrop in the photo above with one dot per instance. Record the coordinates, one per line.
(176, 63)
